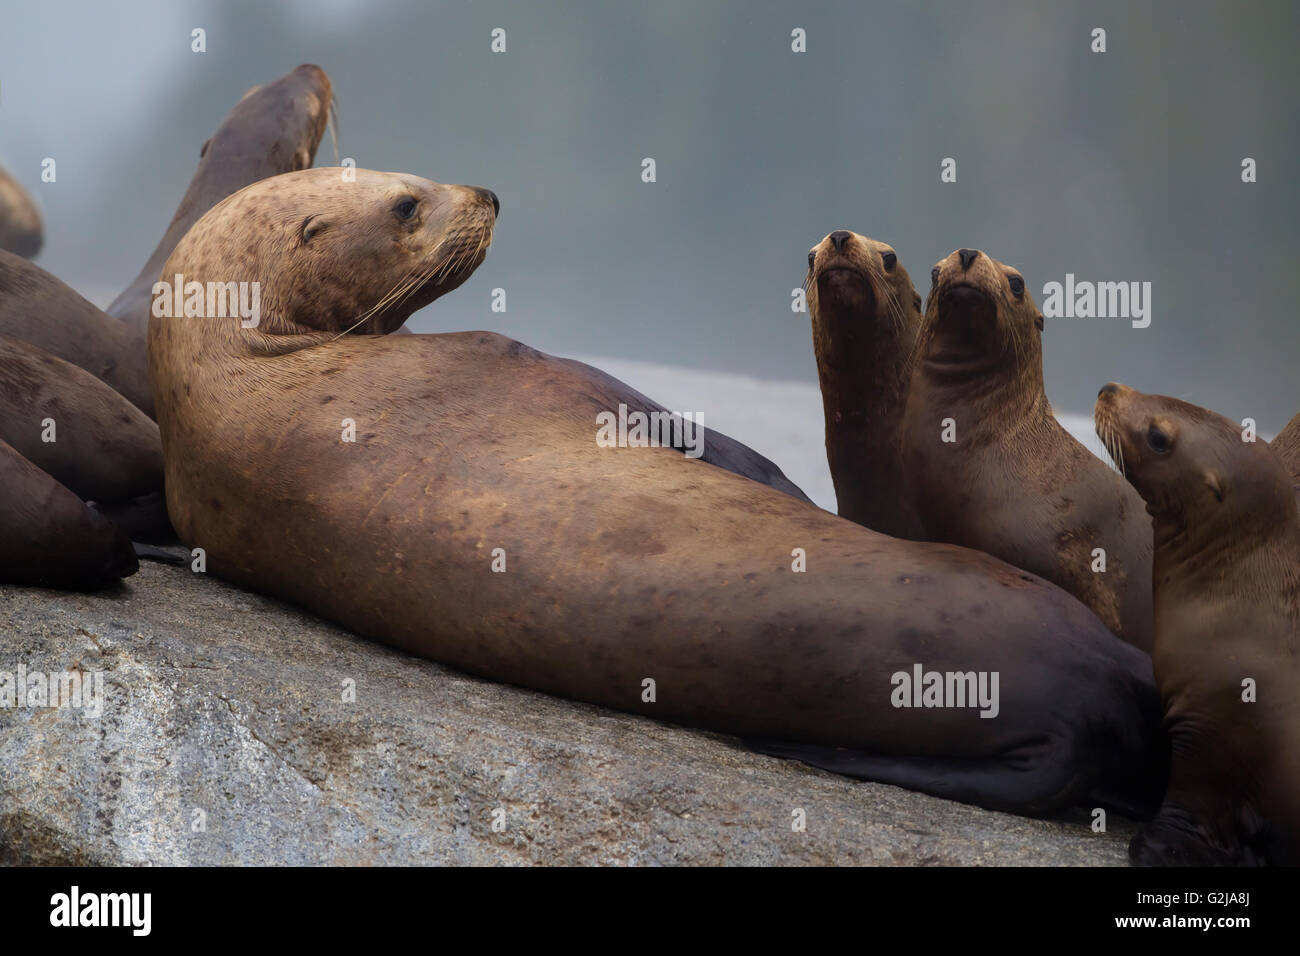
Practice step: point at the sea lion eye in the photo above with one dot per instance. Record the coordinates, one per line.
(934, 276)
(891, 260)
(812, 257)
(1158, 440)
(405, 209)
(1017, 285)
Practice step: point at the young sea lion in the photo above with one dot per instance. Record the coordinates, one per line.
(274, 128)
(1227, 629)
(50, 538)
(865, 319)
(448, 494)
(38, 309)
(991, 468)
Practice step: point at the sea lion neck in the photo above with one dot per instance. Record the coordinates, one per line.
(999, 389)
(863, 358)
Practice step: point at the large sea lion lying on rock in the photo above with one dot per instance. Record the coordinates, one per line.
(450, 495)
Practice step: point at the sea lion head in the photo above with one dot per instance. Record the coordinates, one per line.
(979, 316)
(1199, 478)
(275, 126)
(857, 292)
(336, 250)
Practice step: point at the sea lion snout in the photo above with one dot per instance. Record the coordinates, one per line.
(487, 195)
(967, 256)
(839, 239)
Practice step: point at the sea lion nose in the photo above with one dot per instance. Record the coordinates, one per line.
(1110, 388)
(840, 238)
(967, 256)
(490, 195)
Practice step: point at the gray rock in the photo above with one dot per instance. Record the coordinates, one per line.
(225, 738)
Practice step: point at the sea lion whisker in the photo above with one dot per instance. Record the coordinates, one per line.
(383, 303)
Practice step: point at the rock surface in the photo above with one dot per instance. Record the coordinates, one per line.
(225, 738)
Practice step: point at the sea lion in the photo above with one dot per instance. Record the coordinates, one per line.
(865, 319)
(21, 231)
(38, 309)
(1227, 629)
(96, 443)
(50, 538)
(1287, 447)
(991, 468)
(274, 128)
(615, 566)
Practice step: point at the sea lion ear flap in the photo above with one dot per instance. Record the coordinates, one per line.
(310, 226)
(916, 300)
(203, 151)
(1038, 321)
(1218, 488)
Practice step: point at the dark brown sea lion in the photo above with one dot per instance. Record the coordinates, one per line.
(865, 319)
(50, 538)
(617, 565)
(103, 448)
(275, 128)
(990, 467)
(1227, 629)
(21, 231)
(38, 309)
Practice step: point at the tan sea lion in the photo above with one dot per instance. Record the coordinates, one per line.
(274, 128)
(1227, 629)
(21, 232)
(38, 309)
(50, 538)
(615, 566)
(991, 468)
(865, 319)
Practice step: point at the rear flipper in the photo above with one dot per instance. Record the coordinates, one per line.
(1038, 781)
(143, 519)
(1178, 838)
(149, 553)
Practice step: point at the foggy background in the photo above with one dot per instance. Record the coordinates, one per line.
(1116, 166)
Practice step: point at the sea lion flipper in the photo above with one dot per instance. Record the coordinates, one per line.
(1035, 791)
(149, 553)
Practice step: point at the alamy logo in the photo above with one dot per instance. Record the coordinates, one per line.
(651, 430)
(1099, 300)
(922, 688)
(216, 300)
(37, 689)
(103, 909)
